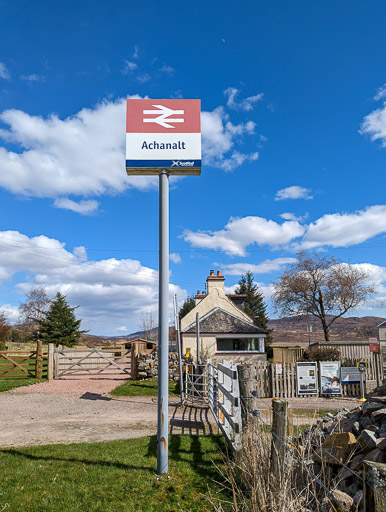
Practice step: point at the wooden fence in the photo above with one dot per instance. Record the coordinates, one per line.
(18, 364)
(271, 383)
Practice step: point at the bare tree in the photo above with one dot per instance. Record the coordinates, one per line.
(34, 309)
(148, 326)
(321, 286)
(4, 325)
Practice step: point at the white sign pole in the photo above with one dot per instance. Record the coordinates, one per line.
(163, 326)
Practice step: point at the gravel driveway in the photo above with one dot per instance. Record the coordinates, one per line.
(73, 411)
(77, 410)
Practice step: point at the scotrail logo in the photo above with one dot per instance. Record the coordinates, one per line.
(178, 163)
(163, 114)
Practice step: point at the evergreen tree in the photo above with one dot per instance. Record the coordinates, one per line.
(187, 306)
(60, 326)
(254, 305)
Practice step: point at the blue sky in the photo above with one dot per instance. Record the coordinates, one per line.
(294, 147)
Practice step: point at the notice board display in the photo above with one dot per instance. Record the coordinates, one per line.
(306, 376)
(350, 375)
(330, 378)
(163, 135)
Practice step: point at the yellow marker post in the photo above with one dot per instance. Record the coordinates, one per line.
(362, 365)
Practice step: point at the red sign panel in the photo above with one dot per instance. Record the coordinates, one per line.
(163, 116)
(373, 346)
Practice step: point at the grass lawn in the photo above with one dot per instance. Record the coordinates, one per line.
(142, 388)
(7, 384)
(117, 476)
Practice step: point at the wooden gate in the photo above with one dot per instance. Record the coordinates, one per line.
(96, 362)
(18, 364)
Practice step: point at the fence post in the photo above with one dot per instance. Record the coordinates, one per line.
(39, 360)
(50, 366)
(134, 361)
(375, 479)
(279, 432)
(248, 391)
(271, 380)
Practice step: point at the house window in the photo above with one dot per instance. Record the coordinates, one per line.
(240, 344)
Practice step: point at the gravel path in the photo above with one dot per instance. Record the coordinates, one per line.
(77, 410)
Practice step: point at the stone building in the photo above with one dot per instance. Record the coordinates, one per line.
(226, 331)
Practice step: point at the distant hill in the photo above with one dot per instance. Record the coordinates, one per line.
(293, 330)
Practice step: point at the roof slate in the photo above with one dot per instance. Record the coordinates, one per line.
(220, 321)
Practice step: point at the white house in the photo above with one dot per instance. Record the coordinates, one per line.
(226, 331)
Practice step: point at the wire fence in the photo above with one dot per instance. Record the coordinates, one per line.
(312, 448)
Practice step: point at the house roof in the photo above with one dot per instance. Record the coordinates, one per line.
(383, 324)
(220, 321)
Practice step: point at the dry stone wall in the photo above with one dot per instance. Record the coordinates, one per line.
(346, 440)
(147, 366)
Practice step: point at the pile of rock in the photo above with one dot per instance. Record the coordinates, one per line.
(349, 438)
(147, 366)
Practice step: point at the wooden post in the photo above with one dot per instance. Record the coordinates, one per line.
(375, 479)
(279, 431)
(50, 368)
(39, 360)
(290, 419)
(271, 380)
(134, 361)
(248, 392)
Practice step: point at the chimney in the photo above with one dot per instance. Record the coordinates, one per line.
(213, 281)
(199, 296)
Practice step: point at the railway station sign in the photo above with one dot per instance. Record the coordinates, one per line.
(163, 135)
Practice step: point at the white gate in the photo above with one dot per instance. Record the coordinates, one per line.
(96, 362)
(224, 400)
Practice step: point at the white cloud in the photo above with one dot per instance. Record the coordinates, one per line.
(83, 207)
(136, 52)
(123, 328)
(143, 78)
(374, 125)
(381, 93)
(265, 267)
(129, 66)
(294, 192)
(266, 290)
(219, 136)
(168, 70)
(244, 231)
(292, 216)
(245, 104)
(175, 257)
(83, 154)
(345, 229)
(33, 78)
(110, 292)
(12, 313)
(4, 73)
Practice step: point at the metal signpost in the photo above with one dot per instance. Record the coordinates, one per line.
(163, 137)
(362, 365)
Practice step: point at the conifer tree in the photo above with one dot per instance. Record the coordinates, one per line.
(254, 304)
(187, 306)
(60, 326)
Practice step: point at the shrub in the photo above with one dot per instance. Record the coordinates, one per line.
(322, 354)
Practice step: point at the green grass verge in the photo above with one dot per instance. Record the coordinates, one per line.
(313, 413)
(117, 476)
(7, 384)
(142, 388)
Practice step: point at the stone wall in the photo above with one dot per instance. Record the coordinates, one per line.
(147, 366)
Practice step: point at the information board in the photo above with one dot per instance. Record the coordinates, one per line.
(306, 376)
(163, 135)
(330, 378)
(350, 375)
